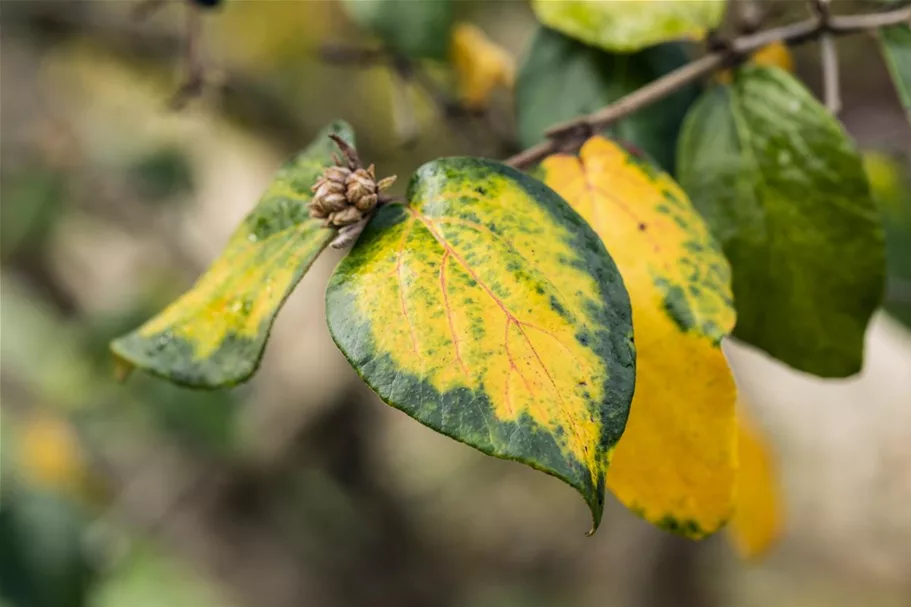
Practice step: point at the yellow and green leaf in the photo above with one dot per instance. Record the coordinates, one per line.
(630, 25)
(757, 520)
(214, 335)
(675, 465)
(488, 310)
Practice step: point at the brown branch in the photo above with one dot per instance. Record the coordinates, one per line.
(565, 136)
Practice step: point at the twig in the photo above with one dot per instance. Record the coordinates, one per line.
(560, 137)
(828, 58)
(196, 64)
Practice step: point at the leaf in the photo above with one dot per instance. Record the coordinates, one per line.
(416, 29)
(675, 464)
(561, 79)
(631, 25)
(775, 54)
(757, 521)
(489, 311)
(214, 335)
(50, 456)
(890, 182)
(480, 65)
(784, 191)
(895, 42)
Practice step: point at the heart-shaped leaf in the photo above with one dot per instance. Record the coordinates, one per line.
(630, 25)
(488, 310)
(675, 464)
(562, 79)
(896, 46)
(784, 191)
(214, 335)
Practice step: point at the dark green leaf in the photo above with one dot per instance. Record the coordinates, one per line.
(896, 46)
(784, 191)
(43, 561)
(214, 335)
(417, 29)
(562, 79)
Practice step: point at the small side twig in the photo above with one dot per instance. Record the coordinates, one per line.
(196, 64)
(828, 58)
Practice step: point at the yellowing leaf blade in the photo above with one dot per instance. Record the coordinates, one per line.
(630, 25)
(490, 312)
(214, 335)
(757, 521)
(675, 464)
(480, 65)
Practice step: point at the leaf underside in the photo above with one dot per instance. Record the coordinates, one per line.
(489, 311)
(631, 25)
(675, 464)
(214, 335)
(784, 191)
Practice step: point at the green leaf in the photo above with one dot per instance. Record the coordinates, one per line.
(784, 191)
(416, 29)
(562, 79)
(890, 182)
(490, 311)
(214, 335)
(896, 46)
(630, 25)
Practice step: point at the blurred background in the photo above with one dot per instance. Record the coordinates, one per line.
(301, 487)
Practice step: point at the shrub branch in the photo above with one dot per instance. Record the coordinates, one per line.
(566, 136)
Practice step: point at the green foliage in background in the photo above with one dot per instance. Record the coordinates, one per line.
(561, 79)
(896, 47)
(631, 25)
(416, 29)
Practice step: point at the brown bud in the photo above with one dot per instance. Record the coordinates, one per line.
(317, 212)
(366, 203)
(325, 188)
(345, 217)
(385, 183)
(337, 174)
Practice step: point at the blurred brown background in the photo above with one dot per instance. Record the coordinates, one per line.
(302, 488)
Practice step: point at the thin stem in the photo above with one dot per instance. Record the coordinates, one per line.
(831, 85)
(828, 58)
(561, 136)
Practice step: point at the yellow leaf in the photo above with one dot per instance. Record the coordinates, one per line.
(776, 54)
(480, 65)
(757, 521)
(50, 455)
(213, 336)
(675, 464)
(489, 311)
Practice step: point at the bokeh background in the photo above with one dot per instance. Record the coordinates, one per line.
(301, 487)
